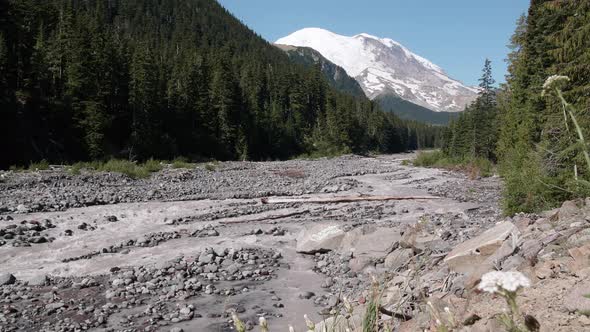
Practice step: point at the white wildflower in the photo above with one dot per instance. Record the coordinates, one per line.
(554, 82)
(347, 305)
(263, 324)
(309, 323)
(291, 328)
(493, 282)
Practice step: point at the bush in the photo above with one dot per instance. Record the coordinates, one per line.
(39, 166)
(211, 167)
(428, 158)
(129, 168)
(126, 167)
(182, 163)
(152, 165)
(16, 168)
(474, 167)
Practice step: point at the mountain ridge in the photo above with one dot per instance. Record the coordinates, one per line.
(336, 75)
(384, 66)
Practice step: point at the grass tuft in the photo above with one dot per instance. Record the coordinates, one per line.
(129, 168)
(474, 167)
(212, 167)
(39, 166)
(152, 165)
(182, 163)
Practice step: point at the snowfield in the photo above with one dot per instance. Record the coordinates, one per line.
(384, 66)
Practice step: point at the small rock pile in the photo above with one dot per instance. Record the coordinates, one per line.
(81, 303)
(57, 190)
(148, 240)
(27, 233)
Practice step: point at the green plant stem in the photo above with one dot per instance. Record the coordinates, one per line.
(578, 128)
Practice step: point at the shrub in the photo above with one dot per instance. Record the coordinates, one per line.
(211, 167)
(16, 168)
(39, 166)
(129, 168)
(126, 167)
(152, 165)
(474, 167)
(428, 158)
(182, 162)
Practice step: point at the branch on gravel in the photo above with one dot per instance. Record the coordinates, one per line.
(271, 217)
(343, 199)
(394, 314)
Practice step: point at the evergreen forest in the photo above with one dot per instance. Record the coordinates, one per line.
(137, 79)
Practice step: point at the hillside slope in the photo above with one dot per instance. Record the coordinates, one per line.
(336, 75)
(89, 79)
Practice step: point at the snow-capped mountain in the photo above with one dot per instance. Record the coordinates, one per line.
(383, 66)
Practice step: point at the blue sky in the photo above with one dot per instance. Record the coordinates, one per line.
(454, 34)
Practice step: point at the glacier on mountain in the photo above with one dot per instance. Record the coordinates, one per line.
(384, 66)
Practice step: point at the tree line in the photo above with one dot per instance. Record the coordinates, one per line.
(526, 129)
(136, 79)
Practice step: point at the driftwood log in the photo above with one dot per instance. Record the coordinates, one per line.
(343, 199)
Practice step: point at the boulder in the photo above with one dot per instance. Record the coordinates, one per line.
(398, 258)
(7, 279)
(370, 241)
(578, 299)
(319, 239)
(467, 256)
(484, 325)
(340, 324)
(39, 280)
(580, 238)
(359, 264)
(569, 211)
(581, 256)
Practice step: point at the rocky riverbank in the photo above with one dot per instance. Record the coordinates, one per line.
(185, 248)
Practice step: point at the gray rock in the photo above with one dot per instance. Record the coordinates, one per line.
(232, 269)
(578, 299)
(211, 268)
(333, 301)
(306, 295)
(7, 279)
(52, 307)
(328, 282)
(569, 211)
(530, 249)
(467, 256)
(206, 257)
(370, 241)
(39, 280)
(398, 258)
(319, 238)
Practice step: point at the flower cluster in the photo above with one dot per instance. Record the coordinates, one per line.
(494, 282)
(554, 82)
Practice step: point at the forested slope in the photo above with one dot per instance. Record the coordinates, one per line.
(524, 126)
(146, 78)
